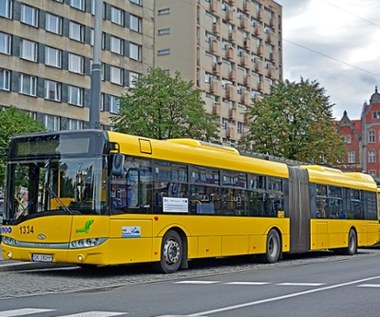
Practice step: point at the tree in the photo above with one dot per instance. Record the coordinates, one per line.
(12, 122)
(162, 107)
(294, 122)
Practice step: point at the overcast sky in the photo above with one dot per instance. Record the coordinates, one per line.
(337, 43)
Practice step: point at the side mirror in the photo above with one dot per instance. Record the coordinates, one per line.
(118, 164)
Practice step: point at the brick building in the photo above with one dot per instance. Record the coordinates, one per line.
(362, 138)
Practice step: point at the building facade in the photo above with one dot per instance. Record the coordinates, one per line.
(230, 49)
(363, 138)
(46, 49)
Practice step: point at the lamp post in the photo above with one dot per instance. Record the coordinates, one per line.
(95, 97)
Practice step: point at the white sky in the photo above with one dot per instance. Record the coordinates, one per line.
(337, 43)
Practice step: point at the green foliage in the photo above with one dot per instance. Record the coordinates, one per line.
(163, 107)
(13, 122)
(294, 122)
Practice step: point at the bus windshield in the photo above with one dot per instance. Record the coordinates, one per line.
(42, 186)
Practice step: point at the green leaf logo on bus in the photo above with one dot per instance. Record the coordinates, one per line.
(86, 227)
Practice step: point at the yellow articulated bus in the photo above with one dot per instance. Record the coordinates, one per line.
(94, 197)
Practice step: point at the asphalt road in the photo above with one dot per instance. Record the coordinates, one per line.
(318, 284)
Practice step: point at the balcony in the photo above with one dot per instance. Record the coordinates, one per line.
(232, 114)
(230, 16)
(232, 75)
(229, 53)
(245, 98)
(231, 133)
(247, 43)
(248, 80)
(216, 109)
(214, 6)
(244, 60)
(214, 47)
(216, 28)
(215, 87)
(247, 6)
(230, 92)
(216, 67)
(232, 36)
(244, 23)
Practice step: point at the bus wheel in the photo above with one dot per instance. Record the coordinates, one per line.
(352, 247)
(171, 253)
(273, 247)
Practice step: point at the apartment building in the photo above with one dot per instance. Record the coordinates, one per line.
(230, 49)
(46, 49)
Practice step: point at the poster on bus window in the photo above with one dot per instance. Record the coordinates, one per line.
(174, 204)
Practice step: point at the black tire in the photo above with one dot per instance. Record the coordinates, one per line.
(273, 250)
(352, 247)
(171, 253)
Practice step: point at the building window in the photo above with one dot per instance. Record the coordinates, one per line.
(116, 75)
(114, 104)
(53, 57)
(75, 124)
(132, 79)
(347, 138)
(75, 63)
(28, 50)
(135, 51)
(77, 4)
(5, 43)
(116, 45)
(163, 52)
(372, 173)
(29, 15)
(5, 79)
(164, 11)
(75, 96)
(53, 23)
(135, 23)
(6, 8)
(224, 123)
(165, 31)
(52, 123)
(52, 90)
(138, 2)
(240, 127)
(28, 85)
(351, 157)
(76, 31)
(117, 16)
(371, 136)
(371, 156)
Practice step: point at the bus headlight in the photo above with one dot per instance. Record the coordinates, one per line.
(9, 241)
(86, 243)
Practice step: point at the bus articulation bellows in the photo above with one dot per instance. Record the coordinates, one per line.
(92, 197)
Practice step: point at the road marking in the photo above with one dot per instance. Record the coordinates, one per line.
(273, 299)
(95, 314)
(23, 311)
(300, 284)
(247, 283)
(370, 285)
(197, 282)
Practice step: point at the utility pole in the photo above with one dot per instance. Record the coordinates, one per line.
(95, 97)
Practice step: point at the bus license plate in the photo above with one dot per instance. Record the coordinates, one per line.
(36, 257)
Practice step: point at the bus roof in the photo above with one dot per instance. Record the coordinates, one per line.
(196, 152)
(331, 176)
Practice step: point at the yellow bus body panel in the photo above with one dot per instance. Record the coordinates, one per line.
(207, 236)
(333, 233)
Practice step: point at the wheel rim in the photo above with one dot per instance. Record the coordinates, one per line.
(272, 247)
(352, 243)
(172, 251)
